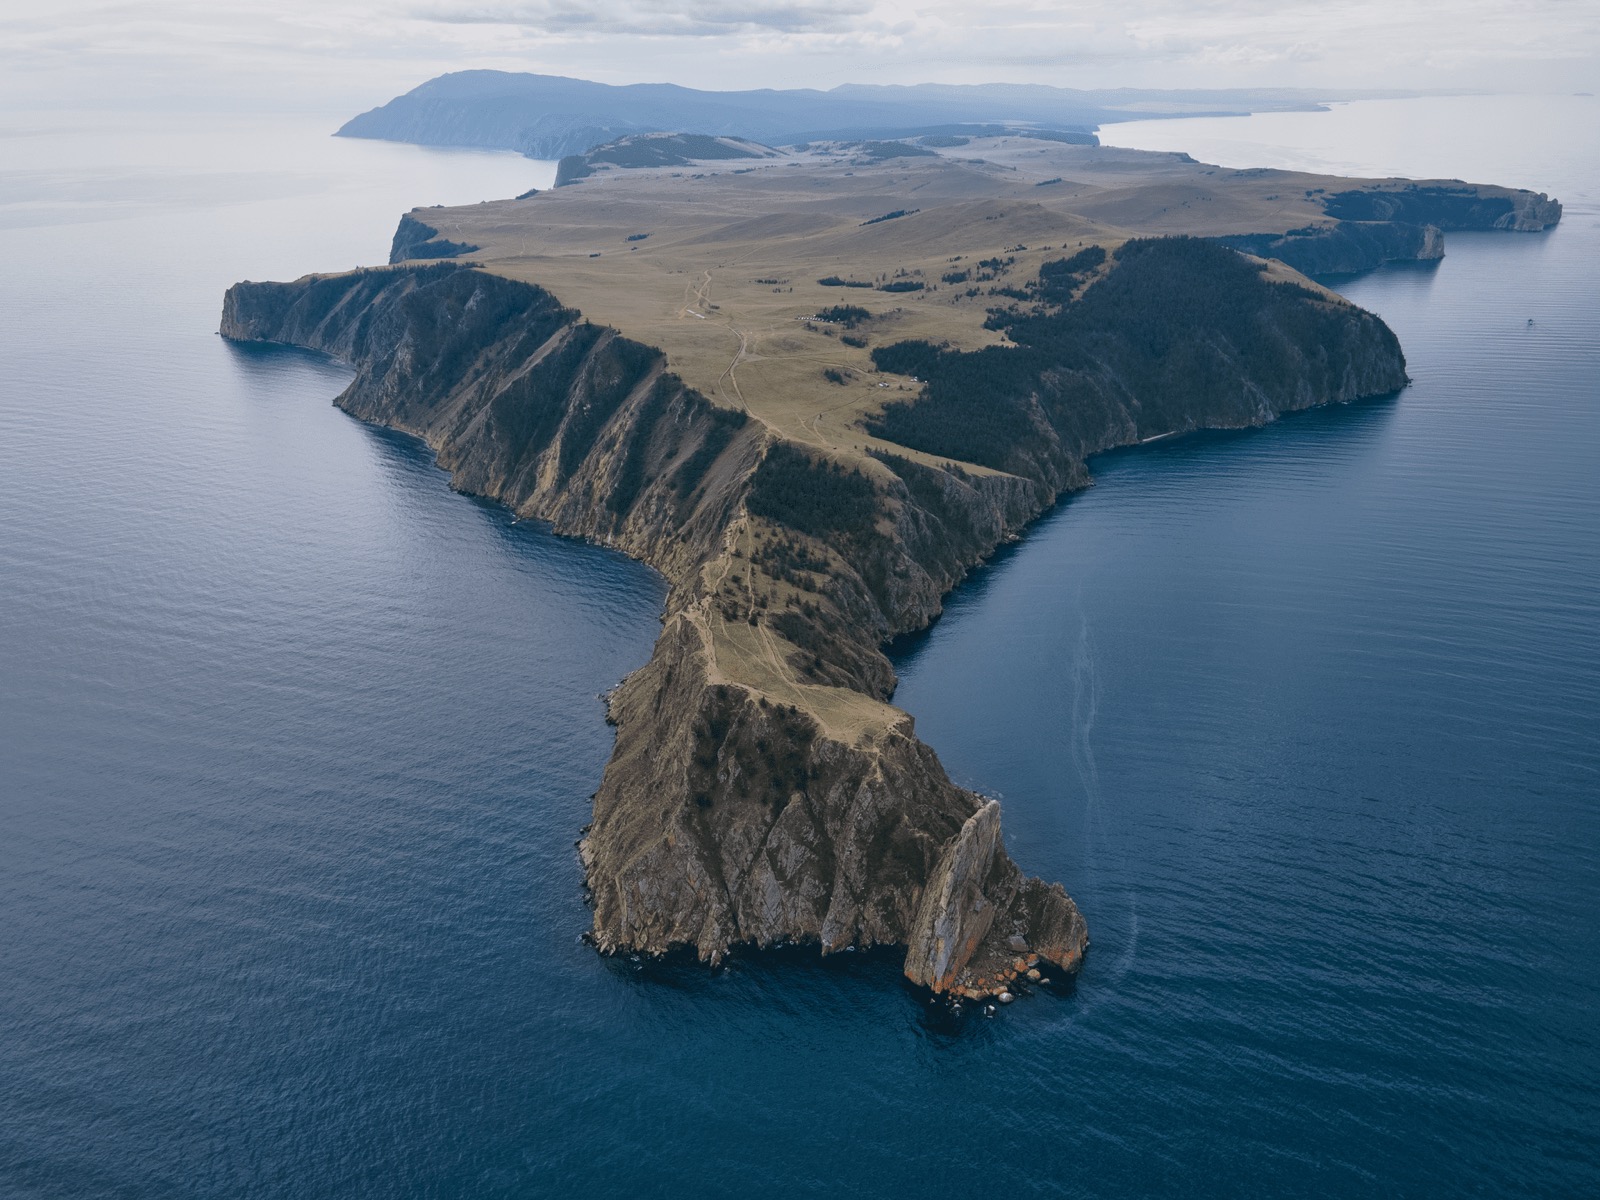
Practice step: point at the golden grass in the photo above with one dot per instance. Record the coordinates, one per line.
(727, 279)
(728, 273)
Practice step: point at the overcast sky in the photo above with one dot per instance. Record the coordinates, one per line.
(345, 55)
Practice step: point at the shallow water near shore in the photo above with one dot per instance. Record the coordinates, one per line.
(297, 743)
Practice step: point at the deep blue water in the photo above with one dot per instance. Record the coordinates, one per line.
(296, 744)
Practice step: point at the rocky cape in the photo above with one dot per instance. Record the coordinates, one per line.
(763, 790)
(1372, 226)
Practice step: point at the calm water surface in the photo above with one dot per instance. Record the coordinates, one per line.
(296, 743)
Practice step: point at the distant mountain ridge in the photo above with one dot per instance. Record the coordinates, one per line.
(551, 116)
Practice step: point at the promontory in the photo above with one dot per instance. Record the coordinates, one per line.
(814, 386)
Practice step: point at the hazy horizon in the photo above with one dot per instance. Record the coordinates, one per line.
(348, 55)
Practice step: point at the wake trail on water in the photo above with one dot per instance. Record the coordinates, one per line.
(1085, 709)
(1085, 705)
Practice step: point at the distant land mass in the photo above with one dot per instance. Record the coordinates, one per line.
(814, 387)
(551, 116)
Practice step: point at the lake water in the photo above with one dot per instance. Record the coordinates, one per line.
(296, 743)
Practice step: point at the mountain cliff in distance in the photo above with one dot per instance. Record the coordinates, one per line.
(550, 116)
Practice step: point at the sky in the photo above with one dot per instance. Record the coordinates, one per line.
(342, 56)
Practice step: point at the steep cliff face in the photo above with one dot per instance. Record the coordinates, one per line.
(1345, 248)
(524, 401)
(415, 240)
(1180, 334)
(1447, 206)
(1383, 223)
(762, 790)
(729, 817)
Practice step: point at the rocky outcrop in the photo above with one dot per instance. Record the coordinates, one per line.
(957, 913)
(1531, 212)
(414, 240)
(762, 790)
(1383, 223)
(572, 168)
(982, 923)
(727, 818)
(1447, 206)
(1344, 248)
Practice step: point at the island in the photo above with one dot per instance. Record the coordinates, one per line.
(552, 116)
(814, 386)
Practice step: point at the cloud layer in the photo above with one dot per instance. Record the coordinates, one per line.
(333, 53)
(654, 18)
